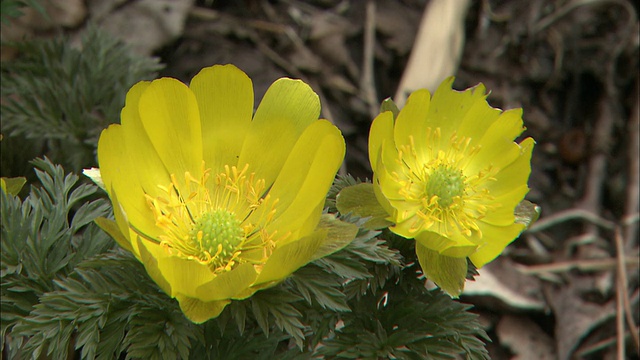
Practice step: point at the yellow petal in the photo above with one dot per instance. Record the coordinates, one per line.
(151, 265)
(290, 257)
(170, 115)
(184, 276)
(515, 174)
(412, 123)
(392, 189)
(390, 174)
(111, 228)
(199, 311)
(478, 120)
(288, 107)
(504, 214)
(140, 150)
(449, 107)
(497, 238)
(460, 247)
(121, 219)
(228, 284)
(122, 176)
(307, 175)
(225, 100)
(497, 146)
(391, 211)
(381, 129)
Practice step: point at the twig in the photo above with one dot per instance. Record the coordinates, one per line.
(367, 83)
(572, 5)
(623, 302)
(599, 346)
(598, 162)
(571, 214)
(620, 290)
(633, 188)
(583, 265)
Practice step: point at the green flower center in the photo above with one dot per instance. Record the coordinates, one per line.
(446, 184)
(218, 232)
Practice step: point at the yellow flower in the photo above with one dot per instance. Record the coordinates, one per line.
(216, 202)
(449, 174)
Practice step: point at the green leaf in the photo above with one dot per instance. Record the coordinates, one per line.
(339, 235)
(527, 213)
(111, 306)
(316, 285)
(360, 200)
(418, 324)
(389, 105)
(43, 238)
(61, 95)
(447, 272)
(10, 9)
(339, 183)
(279, 304)
(12, 185)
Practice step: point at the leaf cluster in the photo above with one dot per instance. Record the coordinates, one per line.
(44, 237)
(106, 307)
(67, 292)
(395, 316)
(64, 287)
(13, 8)
(61, 97)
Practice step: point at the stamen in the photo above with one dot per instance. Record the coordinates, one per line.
(218, 220)
(446, 197)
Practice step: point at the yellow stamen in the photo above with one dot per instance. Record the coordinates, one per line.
(216, 220)
(447, 199)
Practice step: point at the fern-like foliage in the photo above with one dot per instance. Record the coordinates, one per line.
(394, 316)
(13, 8)
(62, 96)
(108, 306)
(44, 237)
(340, 183)
(67, 292)
(397, 325)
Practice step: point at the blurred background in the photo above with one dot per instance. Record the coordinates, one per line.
(568, 288)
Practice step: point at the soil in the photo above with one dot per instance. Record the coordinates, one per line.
(571, 65)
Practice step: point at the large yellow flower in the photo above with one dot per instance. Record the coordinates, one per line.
(217, 203)
(450, 175)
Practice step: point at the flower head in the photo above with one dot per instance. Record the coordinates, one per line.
(216, 202)
(449, 173)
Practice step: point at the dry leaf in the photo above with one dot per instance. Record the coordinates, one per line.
(145, 25)
(525, 339)
(500, 281)
(438, 47)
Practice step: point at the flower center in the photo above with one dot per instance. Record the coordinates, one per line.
(434, 180)
(445, 184)
(218, 232)
(218, 221)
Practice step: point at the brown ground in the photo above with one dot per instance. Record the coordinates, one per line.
(572, 65)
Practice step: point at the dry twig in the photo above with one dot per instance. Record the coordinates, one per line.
(570, 214)
(582, 265)
(623, 306)
(633, 188)
(367, 83)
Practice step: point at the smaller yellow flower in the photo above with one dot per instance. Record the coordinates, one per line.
(449, 173)
(216, 202)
